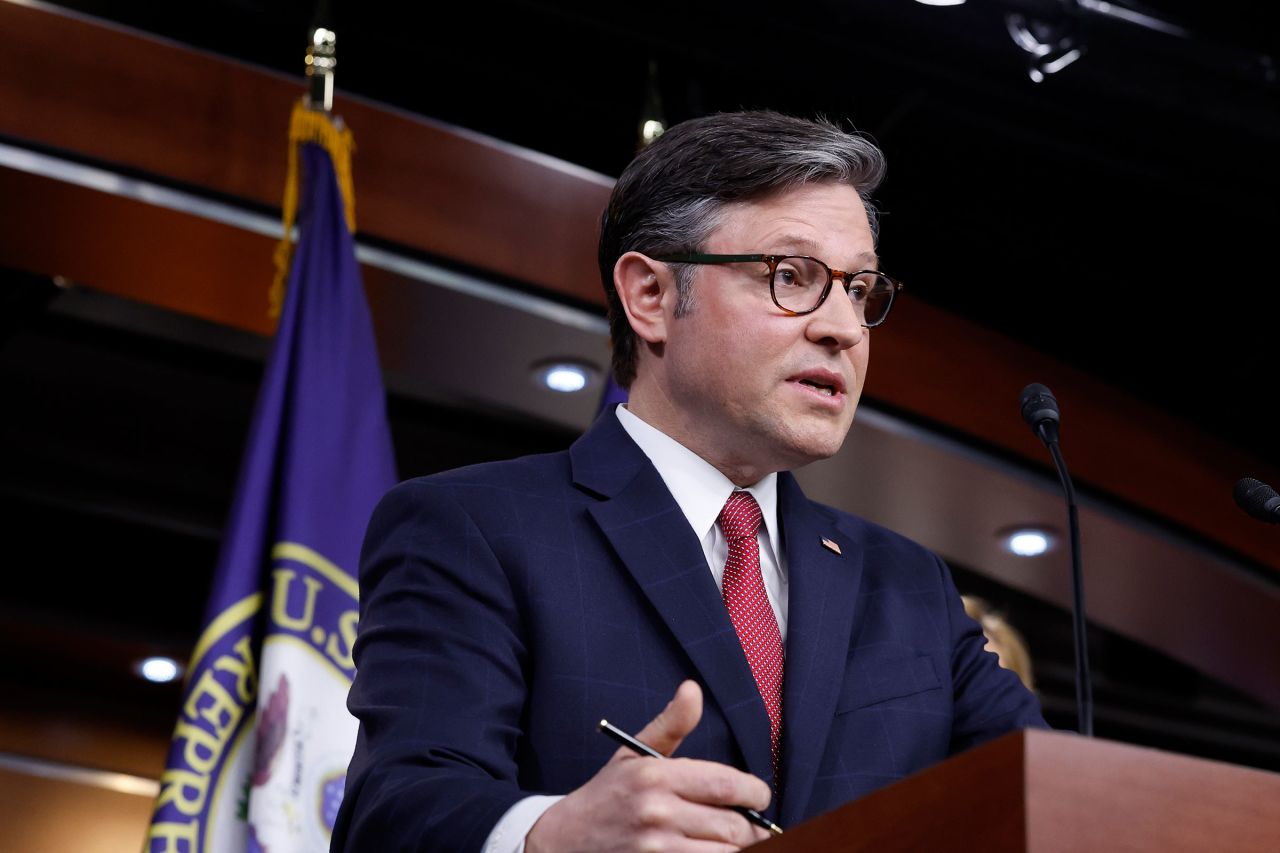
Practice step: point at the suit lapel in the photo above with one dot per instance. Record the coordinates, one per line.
(821, 586)
(653, 539)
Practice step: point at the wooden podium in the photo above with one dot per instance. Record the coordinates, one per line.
(1052, 791)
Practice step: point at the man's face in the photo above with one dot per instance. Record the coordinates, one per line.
(757, 390)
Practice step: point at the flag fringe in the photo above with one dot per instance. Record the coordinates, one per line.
(308, 125)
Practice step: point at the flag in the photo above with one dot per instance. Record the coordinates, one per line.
(260, 750)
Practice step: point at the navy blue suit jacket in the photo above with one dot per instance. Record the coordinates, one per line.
(506, 608)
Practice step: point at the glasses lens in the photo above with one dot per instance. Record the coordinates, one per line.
(872, 294)
(798, 283)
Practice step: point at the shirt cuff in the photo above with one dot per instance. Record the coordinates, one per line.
(507, 835)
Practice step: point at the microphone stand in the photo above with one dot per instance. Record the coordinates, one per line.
(1084, 687)
(1040, 411)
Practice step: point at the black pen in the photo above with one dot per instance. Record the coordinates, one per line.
(644, 749)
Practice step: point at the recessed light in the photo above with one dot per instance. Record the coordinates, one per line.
(1028, 541)
(567, 377)
(161, 670)
(941, 2)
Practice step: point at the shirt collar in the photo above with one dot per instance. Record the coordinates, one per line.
(698, 487)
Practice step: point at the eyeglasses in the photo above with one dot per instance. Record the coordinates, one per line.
(800, 284)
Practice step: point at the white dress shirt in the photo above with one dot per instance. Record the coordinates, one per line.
(700, 490)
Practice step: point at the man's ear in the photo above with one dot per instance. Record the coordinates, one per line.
(645, 287)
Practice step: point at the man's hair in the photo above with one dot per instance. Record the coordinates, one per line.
(673, 194)
(1013, 648)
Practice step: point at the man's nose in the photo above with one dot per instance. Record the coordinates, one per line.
(836, 323)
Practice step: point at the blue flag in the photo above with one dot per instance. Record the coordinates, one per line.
(260, 750)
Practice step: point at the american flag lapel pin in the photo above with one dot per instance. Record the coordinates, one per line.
(831, 546)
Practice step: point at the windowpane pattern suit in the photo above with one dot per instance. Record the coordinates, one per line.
(507, 607)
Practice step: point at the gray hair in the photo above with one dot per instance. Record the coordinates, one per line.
(673, 195)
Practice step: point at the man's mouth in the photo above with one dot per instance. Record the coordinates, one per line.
(829, 390)
(828, 383)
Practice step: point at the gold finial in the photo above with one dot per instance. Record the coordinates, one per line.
(321, 61)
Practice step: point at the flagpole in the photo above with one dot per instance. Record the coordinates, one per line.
(321, 61)
(313, 121)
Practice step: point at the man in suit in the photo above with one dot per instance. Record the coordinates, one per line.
(666, 572)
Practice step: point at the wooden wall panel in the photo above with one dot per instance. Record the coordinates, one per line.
(51, 816)
(114, 96)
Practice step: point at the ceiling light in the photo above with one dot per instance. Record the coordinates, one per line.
(1028, 541)
(941, 2)
(564, 376)
(1051, 45)
(1052, 63)
(161, 670)
(1111, 10)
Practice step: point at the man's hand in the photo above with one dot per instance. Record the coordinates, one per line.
(637, 803)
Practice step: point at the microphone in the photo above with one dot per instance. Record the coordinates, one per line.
(1040, 411)
(1258, 499)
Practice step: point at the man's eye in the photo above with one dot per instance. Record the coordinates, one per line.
(787, 277)
(859, 290)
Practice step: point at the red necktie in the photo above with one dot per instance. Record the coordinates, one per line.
(749, 609)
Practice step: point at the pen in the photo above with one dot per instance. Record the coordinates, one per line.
(644, 749)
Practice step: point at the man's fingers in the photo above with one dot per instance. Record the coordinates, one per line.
(714, 784)
(686, 798)
(694, 821)
(665, 731)
(691, 799)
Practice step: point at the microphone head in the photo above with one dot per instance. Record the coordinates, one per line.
(1038, 406)
(1258, 499)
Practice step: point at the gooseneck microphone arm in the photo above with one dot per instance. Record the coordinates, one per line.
(1040, 411)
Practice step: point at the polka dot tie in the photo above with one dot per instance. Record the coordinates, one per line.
(749, 609)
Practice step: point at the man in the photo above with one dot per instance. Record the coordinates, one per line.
(813, 657)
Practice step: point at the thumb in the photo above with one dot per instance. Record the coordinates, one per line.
(665, 731)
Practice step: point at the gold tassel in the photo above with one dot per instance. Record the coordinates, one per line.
(308, 125)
